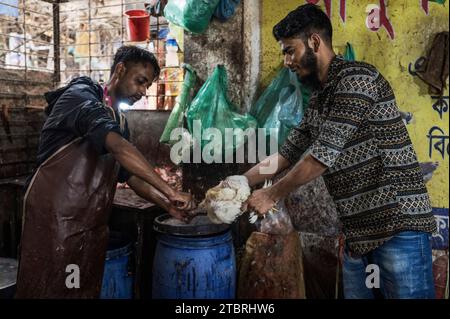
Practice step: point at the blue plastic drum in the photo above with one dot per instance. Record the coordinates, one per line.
(193, 261)
(118, 276)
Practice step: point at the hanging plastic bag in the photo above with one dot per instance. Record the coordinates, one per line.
(212, 107)
(226, 9)
(176, 117)
(349, 53)
(282, 104)
(192, 15)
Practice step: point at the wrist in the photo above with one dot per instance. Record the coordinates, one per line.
(171, 193)
(275, 192)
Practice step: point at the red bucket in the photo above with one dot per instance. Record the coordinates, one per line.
(138, 25)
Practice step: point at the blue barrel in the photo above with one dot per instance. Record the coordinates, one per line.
(118, 276)
(193, 261)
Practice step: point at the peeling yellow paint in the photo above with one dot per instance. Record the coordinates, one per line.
(414, 32)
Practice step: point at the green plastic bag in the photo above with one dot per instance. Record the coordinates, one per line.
(192, 15)
(176, 117)
(282, 104)
(349, 53)
(212, 107)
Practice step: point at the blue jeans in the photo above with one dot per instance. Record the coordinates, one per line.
(404, 266)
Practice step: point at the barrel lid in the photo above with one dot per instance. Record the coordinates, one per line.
(200, 225)
(8, 272)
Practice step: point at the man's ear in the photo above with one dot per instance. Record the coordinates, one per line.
(120, 70)
(314, 42)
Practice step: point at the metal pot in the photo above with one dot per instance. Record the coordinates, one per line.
(8, 275)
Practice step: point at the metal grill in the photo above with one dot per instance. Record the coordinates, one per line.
(91, 31)
(66, 39)
(27, 49)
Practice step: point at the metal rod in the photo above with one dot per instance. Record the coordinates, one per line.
(25, 43)
(89, 36)
(99, 18)
(110, 55)
(95, 30)
(22, 67)
(74, 45)
(121, 21)
(28, 24)
(106, 6)
(30, 54)
(57, 44)
(17, 37)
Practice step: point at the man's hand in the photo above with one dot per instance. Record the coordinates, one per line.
(260, 201)
(183, 201)
(150, 193)
(183, 215)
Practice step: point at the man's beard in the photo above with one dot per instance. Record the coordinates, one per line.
(123, 98)
(309, 62)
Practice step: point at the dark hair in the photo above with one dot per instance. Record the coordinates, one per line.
(131, 53)
(304, 21)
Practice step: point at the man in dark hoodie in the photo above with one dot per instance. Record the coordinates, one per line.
(83, 152)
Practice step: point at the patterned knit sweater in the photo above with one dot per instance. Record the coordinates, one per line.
(354, 127)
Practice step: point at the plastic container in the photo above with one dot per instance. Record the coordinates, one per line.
(172, 53)
(138, 25)
(118, 275)
(193, 261)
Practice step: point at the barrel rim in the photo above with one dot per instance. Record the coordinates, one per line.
(186, 231)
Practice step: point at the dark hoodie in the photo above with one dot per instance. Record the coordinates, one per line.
(76, 110)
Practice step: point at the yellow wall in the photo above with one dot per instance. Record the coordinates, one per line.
(414, 31)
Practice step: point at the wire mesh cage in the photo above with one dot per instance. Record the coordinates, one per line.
(44, 44)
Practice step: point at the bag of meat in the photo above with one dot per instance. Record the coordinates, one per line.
(271, 267)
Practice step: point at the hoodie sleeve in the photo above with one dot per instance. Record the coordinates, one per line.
(81, 111)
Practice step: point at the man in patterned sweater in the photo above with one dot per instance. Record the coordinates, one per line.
(353, 135)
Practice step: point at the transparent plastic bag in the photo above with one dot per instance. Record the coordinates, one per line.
(276, 222)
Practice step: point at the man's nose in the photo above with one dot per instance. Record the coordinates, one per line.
(287, 60)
